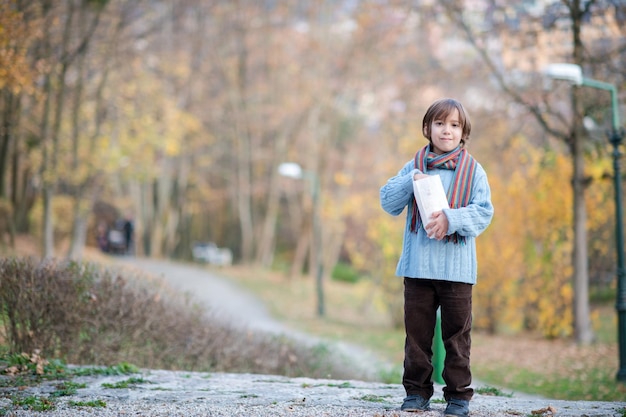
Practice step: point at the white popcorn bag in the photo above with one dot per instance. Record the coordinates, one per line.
(430, 196)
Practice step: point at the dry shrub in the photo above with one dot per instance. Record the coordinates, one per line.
(87, 314)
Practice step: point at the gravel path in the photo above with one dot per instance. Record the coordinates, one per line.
(165, 393)
(168, 393)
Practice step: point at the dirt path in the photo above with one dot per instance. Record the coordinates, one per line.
(225, 298)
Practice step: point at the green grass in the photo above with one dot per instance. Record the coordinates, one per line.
(29, 370)
(341, 385)
(344, 272)
(492, 391)
(590, 385)
(119, 369)
(93, 404)
(67, 388)
(374, 398)
(127, 383)
(33, 403)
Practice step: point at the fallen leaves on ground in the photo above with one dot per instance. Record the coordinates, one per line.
(547, 411)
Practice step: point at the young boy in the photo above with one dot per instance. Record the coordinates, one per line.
(438, 260)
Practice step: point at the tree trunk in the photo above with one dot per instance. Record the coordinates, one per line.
(143, 212)
(79, 232)
(82, 204)
(6, 135)
(582, 323)
(53, 138)
(267, 239)
(79, 223)
(47, 231)
(243, 156)
(303, 225)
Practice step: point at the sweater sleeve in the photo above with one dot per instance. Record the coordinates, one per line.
(398, 191)
(473, 219)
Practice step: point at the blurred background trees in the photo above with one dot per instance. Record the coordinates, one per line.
(177, 114)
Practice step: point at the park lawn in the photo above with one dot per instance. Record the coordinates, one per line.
(557, 369)
(551, 368)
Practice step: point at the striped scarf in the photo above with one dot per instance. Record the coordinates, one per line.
(464, 166)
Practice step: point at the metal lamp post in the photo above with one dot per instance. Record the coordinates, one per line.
(573, 74)
(293, 170)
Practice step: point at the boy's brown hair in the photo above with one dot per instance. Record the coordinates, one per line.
(440, 110)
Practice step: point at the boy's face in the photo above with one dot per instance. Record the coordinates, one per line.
(445, 135)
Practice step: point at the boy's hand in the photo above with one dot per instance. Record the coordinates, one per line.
(438, 226)
(419, 176)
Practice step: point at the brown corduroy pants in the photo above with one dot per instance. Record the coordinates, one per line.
(422, 298)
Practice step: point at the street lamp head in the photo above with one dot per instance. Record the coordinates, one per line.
(290, 170)
(568, 72)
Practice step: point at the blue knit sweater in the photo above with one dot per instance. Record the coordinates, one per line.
(423, 257)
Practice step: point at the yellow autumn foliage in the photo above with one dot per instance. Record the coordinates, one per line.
(16, 36)
(525, 257)
(156, 131)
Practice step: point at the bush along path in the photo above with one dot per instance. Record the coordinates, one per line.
(101, 315)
